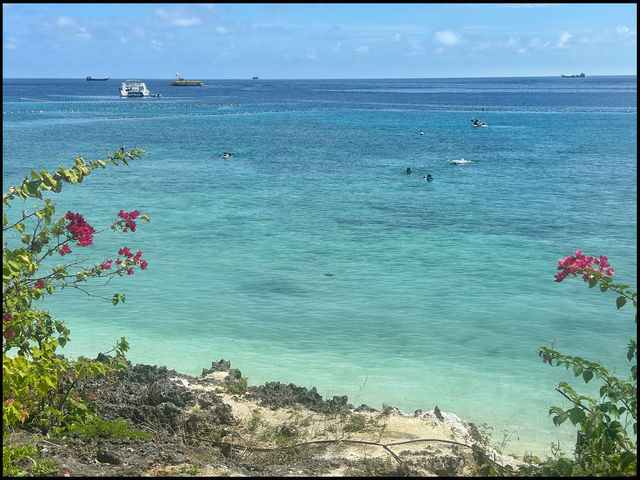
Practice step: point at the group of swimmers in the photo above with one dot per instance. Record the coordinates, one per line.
(427, 177)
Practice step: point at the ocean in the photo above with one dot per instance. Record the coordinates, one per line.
(310, 256)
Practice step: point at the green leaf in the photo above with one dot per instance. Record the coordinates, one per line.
(592, 282)
(587, 375)
(620, 301)
(560, 419)
(577, 416)
(32, 189)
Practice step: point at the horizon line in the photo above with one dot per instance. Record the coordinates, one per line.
(327, 78)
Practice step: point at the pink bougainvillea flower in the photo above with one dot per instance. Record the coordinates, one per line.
(106, 265)
(39, 283)
(143, 265)
(64, 250)
(66, 474)
(9, 401)
(91, 397)
(577, 264)
(8, 334)
(81, 230)
(128, 218)
(126, 252)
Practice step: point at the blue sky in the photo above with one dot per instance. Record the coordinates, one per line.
(313, 40)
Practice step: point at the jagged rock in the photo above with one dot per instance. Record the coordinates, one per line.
(104, 455)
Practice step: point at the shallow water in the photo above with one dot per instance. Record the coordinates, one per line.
(311, 257)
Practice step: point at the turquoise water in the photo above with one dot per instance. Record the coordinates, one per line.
(311, 257)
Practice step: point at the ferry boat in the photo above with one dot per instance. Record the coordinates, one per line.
(134, 88)
(581, 75)
(92, 79)
(181, 82)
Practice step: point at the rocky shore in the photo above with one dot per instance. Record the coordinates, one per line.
(216, 425)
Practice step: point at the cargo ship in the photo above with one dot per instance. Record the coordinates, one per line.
(582, 75)
(92, 79)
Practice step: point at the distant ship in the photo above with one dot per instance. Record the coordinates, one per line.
(582, 75)
(181, 82)
(91, 79)
(254, 78)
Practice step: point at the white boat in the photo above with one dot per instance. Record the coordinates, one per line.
(134, 88)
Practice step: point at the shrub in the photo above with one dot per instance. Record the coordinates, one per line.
(38, 384)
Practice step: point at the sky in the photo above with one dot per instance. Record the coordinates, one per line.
(316, 40)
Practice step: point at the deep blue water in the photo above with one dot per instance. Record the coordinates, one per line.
(311, 257)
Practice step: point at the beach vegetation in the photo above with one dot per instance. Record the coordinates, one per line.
(356, 423)
(25, 460)
(237, 386)
(100, 428)
(39, 386)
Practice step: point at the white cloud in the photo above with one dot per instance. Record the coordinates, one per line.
(311, 56)
(625, 31)
(184, 22)
(156, 44)
(177, 18)
(64, 21)
(83, 34)
(336, 47)
(513, 42)
(362, 49)
(396, 38)
(537, 43)
(9, 43)
(447, 37)
(564, 38)
(222, 30)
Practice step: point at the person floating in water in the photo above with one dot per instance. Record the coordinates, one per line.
(421, 133)
(408, 170)
(226, 155)
(427, 177)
